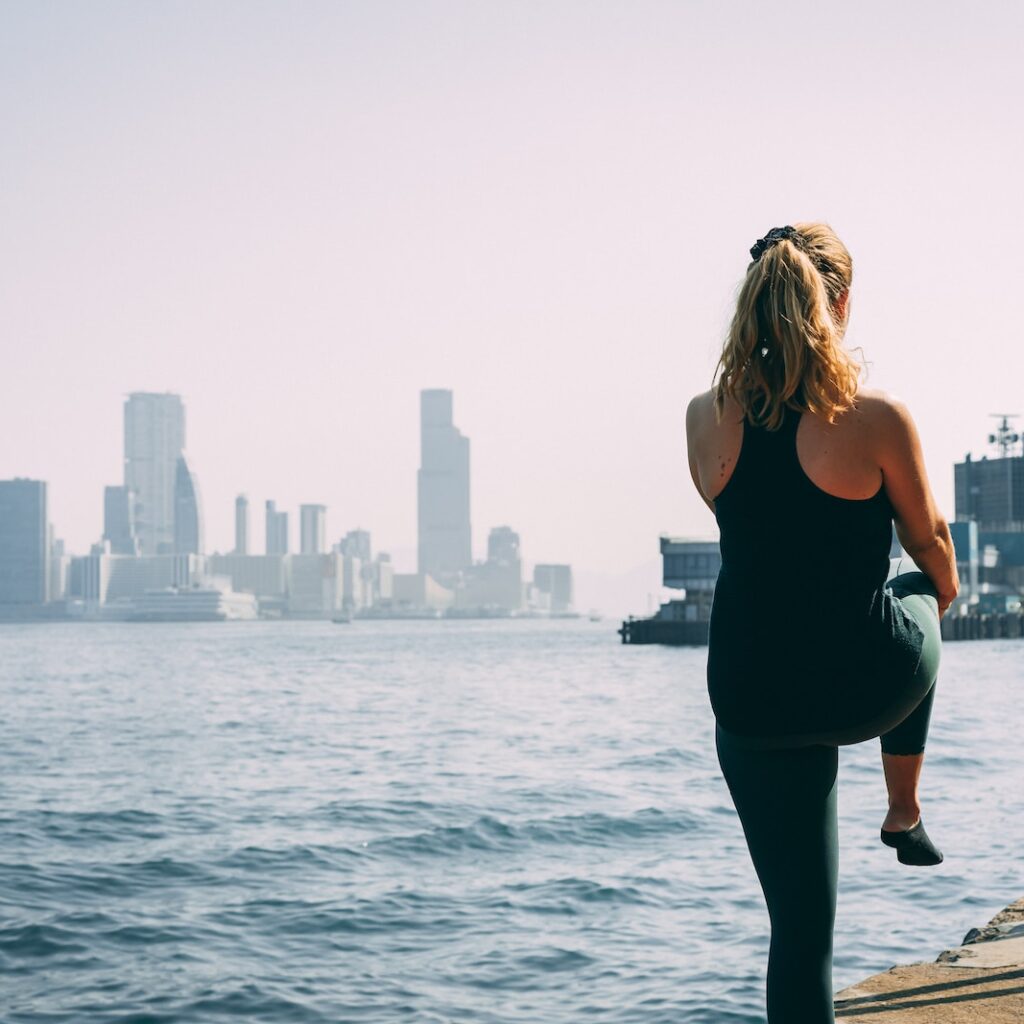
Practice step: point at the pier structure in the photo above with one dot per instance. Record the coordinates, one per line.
(688, 565)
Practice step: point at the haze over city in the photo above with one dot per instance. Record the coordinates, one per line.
(298, 217)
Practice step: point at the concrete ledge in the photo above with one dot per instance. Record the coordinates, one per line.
(980, 981)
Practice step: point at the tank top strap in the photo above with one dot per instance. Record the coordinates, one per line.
(770, 455)
(784, 436)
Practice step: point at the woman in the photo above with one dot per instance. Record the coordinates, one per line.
(804, 468)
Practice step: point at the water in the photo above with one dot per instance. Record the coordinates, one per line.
(436, 822)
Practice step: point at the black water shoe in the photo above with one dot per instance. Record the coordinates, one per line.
(912, 845)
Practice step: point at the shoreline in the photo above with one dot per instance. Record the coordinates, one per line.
(981, 981)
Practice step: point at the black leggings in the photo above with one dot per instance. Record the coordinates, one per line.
(786, 802)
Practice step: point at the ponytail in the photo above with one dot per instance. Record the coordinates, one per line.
(784, 345)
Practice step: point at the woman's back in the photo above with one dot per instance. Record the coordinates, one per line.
(779, 663)
(796, 516)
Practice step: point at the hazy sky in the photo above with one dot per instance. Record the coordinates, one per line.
(298, 215)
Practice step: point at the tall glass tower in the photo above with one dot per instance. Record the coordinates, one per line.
(24, 545)
(445, 542)
(312, 529)
(154, 437)
(119, 520)
(241, 525)
(277, 530)
(188, 521)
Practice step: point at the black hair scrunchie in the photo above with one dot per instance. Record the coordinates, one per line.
(762, 245)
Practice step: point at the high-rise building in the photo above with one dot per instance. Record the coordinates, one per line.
(496, 583)
(154, 437)
(503, 545)
(444, 537)
(188, 519)
(556, 582)
(991, 491)
(312, 529)
(277, 530)
(357, 544)
(241, 525)
(24, 542)
(60, 562)
(119, 520)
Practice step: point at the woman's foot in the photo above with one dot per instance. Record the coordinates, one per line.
(912, 844)
(901, 817)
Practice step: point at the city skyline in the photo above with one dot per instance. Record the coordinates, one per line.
(159, 509)
(134, 562)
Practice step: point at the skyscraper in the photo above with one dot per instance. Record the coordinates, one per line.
(503, 545)
(154, 437)
(277, 530)
(991, 490)
(312, 529)
(24, 542)
(357, 544)
(445, 543)
(119, 521)
(241, 525)
(556, 581)
(188, 520)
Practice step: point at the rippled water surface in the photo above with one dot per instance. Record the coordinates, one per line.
(453, 821)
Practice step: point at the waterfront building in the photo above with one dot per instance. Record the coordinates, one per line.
(503, 545)
(315, 584)
(101, 577)
(188, 520)
(362, 574)
(383, 580)
(129, 577)
(24, 542)
(496, 583)
(266, 576)
(416, 591)
(241, 525)
(356, 542)
(312, 529)
(556, 582)
(989, 529)
(60, 562)
(154, 438)
(277, 530)
(119, 520)
(991, 491)
(443, 508)
(690, 565)
(968, 558)
(89, 577)
(355, 589)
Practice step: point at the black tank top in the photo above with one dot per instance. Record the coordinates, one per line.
(804, 637)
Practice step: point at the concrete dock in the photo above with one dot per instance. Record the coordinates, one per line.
(980, 981)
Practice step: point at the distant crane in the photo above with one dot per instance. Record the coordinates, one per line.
(1005, 437)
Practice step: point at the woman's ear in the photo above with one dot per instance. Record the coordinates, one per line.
(841, 304)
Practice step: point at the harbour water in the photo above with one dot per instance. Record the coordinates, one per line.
(436, 821)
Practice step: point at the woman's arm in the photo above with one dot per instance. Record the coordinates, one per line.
(693, 420)
(922, 531)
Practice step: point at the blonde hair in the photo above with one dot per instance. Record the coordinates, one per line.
(785, 346)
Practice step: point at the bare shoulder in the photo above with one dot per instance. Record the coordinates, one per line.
(700, 412)
(887, 414)
(700, 404)
(878, 402)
